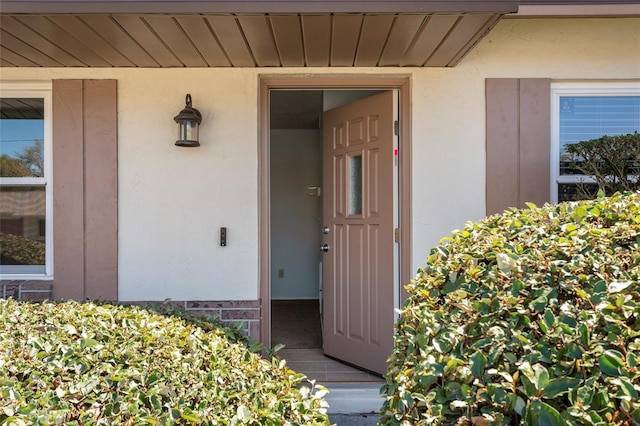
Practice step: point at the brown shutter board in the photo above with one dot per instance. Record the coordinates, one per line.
(518, 142)
(68, 190)
(101, 190)
(85, 198)
(535, 141)
(502, 144)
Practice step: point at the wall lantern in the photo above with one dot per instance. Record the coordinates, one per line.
(188, 120)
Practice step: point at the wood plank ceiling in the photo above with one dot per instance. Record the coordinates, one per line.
(240, 39)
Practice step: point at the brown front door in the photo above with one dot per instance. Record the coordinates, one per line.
(358, 213)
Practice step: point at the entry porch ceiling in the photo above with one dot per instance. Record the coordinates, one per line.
(240, 33)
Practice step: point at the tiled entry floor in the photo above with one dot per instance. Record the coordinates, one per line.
(316, 366)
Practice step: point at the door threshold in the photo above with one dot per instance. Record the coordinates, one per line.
(314, 364)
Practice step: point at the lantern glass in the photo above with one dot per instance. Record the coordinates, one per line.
(188, 131)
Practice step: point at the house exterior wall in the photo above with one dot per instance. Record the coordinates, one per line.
(172, 201)
(449, 108)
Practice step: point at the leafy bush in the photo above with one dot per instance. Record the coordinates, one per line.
(72, 363)
(234, 332)
(13, 167)
(613, 161)
(18, 250)
(529, 317)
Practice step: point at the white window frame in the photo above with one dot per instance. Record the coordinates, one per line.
(559, 89)
(42, 90)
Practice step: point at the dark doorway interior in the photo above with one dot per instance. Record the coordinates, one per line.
(296, 324)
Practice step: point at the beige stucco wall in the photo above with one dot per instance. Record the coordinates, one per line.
(172, 201)
(449, 107)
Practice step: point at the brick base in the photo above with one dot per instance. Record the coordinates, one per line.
(35, 291)
(244, 312)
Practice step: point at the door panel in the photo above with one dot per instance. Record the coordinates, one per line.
(358, 269)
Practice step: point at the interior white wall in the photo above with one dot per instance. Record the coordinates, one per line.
(296, 158)
(173, 200)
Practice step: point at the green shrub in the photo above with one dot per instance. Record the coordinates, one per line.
(18, 250)
(612, 161)
(72, 363)
(233, 331)
(529, 317)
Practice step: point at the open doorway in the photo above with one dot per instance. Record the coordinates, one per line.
(353, 332)
(296, 213)
(296, 200)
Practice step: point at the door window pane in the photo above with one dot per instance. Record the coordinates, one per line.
(22, 137)
(355, 185)
(22, 230)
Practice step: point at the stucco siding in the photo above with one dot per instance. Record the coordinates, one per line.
(449, 107)
(172, 201)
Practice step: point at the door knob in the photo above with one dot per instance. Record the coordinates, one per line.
(324, 247)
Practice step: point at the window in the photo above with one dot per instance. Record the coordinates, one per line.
(355, 185)
(582, 112)
(25, 182)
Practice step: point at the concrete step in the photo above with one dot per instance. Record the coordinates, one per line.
(354, 419)
(354, 404)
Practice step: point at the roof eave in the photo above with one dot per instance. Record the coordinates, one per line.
(574, 9)
(256, 6)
